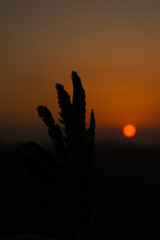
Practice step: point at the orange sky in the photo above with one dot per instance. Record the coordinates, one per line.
(113, 46)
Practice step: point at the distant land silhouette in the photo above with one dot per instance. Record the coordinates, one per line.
(127, 203)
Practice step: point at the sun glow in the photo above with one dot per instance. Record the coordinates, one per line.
(129, 130)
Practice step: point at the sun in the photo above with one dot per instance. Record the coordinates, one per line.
(129, 130)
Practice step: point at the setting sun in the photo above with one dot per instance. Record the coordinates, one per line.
(129, 130)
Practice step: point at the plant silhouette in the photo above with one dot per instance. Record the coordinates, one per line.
(68, 177)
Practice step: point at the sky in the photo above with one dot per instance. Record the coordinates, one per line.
(112, 45)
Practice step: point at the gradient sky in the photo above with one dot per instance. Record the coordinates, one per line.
(113, 45)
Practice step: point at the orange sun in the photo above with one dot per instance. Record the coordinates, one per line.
(129, 130)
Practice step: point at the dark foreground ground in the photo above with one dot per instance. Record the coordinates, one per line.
(128, 200)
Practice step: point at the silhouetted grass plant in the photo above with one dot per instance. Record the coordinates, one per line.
(68, 177)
